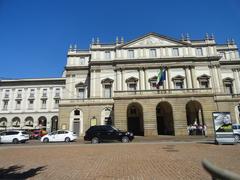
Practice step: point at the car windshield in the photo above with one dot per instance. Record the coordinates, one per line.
(115, 128)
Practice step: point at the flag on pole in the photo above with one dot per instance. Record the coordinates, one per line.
(161, 77)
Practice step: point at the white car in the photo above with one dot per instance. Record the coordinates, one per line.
(236, 132)
(59, 136)
(14, 136)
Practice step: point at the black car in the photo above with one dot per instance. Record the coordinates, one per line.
(97, 134)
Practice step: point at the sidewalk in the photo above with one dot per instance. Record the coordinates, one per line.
(164, 138)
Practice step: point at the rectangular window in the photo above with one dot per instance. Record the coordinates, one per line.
(199, 52)
(130, 54)
(18, 104)
(32, 93)
(82, 60)
(30, 104)
(178, 85)
(107, 55)
(204, 84)
(57, 92)
(7, 92)
(56, 103)
(81, 93)
(107, 91)
(44, 103)
(132, 86)
(228, 88)
(153, 85)
(175, 52)
(44, 93)
(153, 53)
(5, 105)
(19, 93)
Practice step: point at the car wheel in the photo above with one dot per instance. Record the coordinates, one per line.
(45, 140)
(95, 140)
(67, 139)
(125, 139)
(15, 141)
(237, 137)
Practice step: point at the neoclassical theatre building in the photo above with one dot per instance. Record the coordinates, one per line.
(115, 83)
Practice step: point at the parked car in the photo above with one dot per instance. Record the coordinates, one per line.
(59, 136)
(97, 134)
(14, 136)
(38, 133)
(236, 132)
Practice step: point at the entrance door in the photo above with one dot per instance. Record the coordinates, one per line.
(76, 126)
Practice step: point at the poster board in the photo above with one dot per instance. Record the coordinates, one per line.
(223, 128)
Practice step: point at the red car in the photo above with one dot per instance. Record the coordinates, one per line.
(38, 133)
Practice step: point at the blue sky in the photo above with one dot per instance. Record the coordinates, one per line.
(35, 34)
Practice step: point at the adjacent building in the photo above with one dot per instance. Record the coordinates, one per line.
(115, 83)
(30, 103)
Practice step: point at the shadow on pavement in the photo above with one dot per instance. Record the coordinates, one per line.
(13, 172)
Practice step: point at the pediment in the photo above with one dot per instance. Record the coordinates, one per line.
(151, 40)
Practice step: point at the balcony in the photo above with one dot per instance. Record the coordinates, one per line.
(87, 101)
(164, 92)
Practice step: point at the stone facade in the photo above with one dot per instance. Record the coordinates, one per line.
(116, 83)
(30, 103)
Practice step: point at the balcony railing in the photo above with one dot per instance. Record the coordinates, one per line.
(164, 92)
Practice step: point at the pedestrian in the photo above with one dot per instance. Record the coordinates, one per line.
(205, 130)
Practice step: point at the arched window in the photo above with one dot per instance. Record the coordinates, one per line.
(29, 121)
(203, 81)
(76, 112)
(3, 122)
(16, 122)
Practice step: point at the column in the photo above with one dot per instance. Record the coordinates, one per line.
(139, 80)
(186, 76)
(92, 80)
(115, 80)
(218, 89)
(145, 79)
(168, 79)
(119, 80)
(142, 79)
(124, 87)
(189, 75)
(193, 75)
(213, 81)
(236, 77)
(220, 78)
(121, 73)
